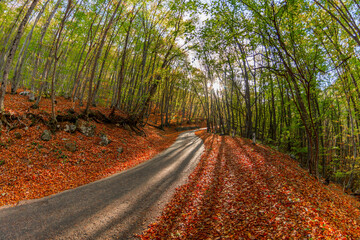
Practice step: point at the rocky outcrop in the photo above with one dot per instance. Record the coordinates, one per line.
(104, 140)
(46, 135)
(86, 128)
(71, 128)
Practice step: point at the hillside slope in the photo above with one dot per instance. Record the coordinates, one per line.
(242, 191)
(32, 168)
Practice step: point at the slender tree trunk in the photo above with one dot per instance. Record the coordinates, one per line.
(97, 56)
(23, 52)
(39, 47)
(12, 51)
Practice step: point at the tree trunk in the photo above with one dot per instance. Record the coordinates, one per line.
(12, 52)
(97, 56)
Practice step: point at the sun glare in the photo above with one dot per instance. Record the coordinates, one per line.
(217, 86)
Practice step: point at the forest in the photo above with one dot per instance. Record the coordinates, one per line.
(284, 71)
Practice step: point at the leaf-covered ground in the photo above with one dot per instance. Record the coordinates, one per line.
(31, 168)
(242, 191)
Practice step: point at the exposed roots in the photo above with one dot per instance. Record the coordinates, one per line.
(11, 121)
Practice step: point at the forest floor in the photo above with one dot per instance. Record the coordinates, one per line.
(245, 191)
(238, 190)
(31, 168)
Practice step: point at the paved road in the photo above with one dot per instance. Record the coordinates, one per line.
(112, 208)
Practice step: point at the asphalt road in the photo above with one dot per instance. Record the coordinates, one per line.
(116, 207)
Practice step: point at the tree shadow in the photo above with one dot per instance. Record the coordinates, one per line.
(56, 216)
(206, 216)
(173, 211)
(289, 188)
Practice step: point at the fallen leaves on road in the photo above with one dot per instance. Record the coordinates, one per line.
(243, 191)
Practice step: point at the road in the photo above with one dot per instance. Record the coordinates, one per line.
(116, 207)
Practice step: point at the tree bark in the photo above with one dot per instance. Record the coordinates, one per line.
(12, 52)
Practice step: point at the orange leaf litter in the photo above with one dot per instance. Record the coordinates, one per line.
(31, 168)
(242, 191)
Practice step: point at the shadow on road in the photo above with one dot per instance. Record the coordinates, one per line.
(112, 208)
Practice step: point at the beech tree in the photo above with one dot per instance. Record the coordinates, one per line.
(286, 71)
(12, 50)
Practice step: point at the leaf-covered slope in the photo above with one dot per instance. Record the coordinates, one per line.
(31, 168)
(242, 191)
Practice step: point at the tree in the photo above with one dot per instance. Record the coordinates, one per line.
(10, 56)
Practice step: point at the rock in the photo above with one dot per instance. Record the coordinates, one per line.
(46, 135)
(70, 146)
(31, 97)
(70, 128)
(293, 156)
(25, 93)
(120, 150)
(85, 128)
(104, 140)
(17, 135)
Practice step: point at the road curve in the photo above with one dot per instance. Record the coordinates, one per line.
(112, 208)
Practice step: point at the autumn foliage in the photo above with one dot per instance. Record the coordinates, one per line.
(243, 191)
(31, 168)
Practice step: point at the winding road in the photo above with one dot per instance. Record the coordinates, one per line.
(116, 207)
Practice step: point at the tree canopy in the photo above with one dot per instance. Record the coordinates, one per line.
(286, 72)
